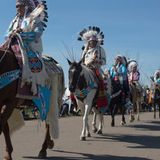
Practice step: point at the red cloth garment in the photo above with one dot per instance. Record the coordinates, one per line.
(101, 101)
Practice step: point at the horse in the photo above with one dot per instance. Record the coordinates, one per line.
(136, 92)
(84, 87)
(155, 98)
(116, 102)
(9, 102)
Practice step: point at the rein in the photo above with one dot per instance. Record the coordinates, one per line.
(84, 92)
(1, 59)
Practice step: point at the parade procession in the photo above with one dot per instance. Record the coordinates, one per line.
(79, 80)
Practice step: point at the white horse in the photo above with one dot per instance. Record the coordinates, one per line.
(84, 87)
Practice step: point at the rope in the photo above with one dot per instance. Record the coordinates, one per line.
(5, 51)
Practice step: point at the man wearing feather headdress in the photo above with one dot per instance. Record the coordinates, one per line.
(94, 57)
(24, 39)
(118, 72)
(133, 72)
(29, 31)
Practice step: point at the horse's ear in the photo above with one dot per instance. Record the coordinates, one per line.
(69, 62)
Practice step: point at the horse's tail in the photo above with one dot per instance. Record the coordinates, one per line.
(56, 75)
(61, 88)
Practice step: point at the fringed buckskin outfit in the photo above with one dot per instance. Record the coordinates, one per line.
(24, 38)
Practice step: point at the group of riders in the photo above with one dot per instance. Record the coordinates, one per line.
(24, 38)
(124, 71)
(38, 80)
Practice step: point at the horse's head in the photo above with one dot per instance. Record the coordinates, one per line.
(74, 74)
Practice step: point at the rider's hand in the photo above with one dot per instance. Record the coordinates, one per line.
(18, 30)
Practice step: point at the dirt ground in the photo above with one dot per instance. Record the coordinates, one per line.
(139, 140)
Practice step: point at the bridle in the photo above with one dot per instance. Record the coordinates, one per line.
(75, 86)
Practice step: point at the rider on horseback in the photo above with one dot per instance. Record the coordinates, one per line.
(24, 39)
(94, 57)
(133, 73)
(19, 25)
(134, 76)
(118, 72)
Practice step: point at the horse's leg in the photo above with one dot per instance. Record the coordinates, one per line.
(6, 112)
(138, 109)
(132, 113)
(88, 134)
(123, 122)
(94, 128)
(48, 143)
(85, 120)
(88, 105)
(154, 106)
(100, 117)
(159, 108)
(114, 109)
(112, 106)
(9, 148)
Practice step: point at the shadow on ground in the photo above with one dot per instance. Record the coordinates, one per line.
(84, 156)
(148, 126)
(139, 141)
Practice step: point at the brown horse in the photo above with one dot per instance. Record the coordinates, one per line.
(155, 98)
(8, 102)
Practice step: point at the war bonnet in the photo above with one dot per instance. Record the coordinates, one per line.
(91, 33)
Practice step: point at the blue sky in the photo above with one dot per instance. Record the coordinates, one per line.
(131, 28)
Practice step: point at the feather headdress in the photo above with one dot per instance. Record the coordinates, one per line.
(91, 33)
(35, 8)
(122, 58)
(157, 72)
(132, 64)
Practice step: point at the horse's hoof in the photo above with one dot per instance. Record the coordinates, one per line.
(42, 154)
(83, 138)
(123, 123)
(7, 158)
(88, 135)
(99, 132)
(132, 119)
(94, 130)
(112, 124)
(50, 144)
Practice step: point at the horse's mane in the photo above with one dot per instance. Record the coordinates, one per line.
(88, 74)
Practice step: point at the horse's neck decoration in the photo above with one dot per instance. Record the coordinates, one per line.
(84, 92)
